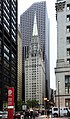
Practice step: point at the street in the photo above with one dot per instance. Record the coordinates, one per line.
(44, 117)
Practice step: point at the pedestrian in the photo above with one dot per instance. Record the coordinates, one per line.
(33, 114)
(48, 112)
(27, 114)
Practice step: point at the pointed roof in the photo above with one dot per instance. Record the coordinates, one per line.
(35, 30)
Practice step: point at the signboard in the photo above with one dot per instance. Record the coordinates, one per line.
(24, 107)
(11, 96)
(11, 103)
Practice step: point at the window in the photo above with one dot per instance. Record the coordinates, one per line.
(68, 29)
(6, 64)
(68, 40)
(68, 7)
(12, 55)
(5, 48)
(6, 27)
(68, 51)
(68, 17)
(67, 102)
(67, 84)
(13, 38)
(6, 21)
(55, 109)
(66, 90)
(6, 56)
(69, 90)
(68, 61)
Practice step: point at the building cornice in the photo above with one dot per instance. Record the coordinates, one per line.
(60, 6)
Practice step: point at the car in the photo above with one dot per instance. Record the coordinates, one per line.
(4, 114)
(1, 114)
(65, 111)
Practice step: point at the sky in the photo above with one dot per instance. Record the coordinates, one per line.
(23, 5)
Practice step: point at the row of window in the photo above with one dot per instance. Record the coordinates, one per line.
(5, 48)
(6, 56)
(6, 19)
(67, 89)
(68, 7)
(14, 3)
(5, 7)
(67, 84)
(5, 26)
(6, 64)
(68, 49)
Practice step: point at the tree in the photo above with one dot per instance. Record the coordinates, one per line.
(29, 104)
(19, 104)
(32, 103)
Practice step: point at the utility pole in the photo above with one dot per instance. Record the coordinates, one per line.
(58, 99)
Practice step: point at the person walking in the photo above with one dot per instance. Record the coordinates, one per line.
(34, 114)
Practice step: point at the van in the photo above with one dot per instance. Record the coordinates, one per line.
(63, 111)
(55, 111)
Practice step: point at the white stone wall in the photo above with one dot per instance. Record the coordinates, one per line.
(40, 79)
(62, 67)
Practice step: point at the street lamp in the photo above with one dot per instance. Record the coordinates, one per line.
(58, 99)
(45, 99)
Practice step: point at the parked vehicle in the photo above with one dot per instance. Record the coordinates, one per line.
(63, 111)
(68, 114)
(0, 114)
(4, 115)
(55, 112)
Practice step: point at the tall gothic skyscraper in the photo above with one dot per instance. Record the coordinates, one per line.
(35, 70)
(8, 49)
(26, 26)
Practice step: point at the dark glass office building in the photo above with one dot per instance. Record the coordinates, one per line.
(8, 49)
(26, 26)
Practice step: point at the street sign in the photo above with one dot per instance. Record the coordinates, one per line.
(11, 96)
(11, 103)
(24, 107)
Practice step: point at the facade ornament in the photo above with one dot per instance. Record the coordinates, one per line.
(60, 6)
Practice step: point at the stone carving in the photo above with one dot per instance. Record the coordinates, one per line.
(60, 6)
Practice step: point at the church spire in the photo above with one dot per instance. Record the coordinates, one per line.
(35, 30)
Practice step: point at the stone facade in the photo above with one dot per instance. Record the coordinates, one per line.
(62, 69)
(35, 70)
